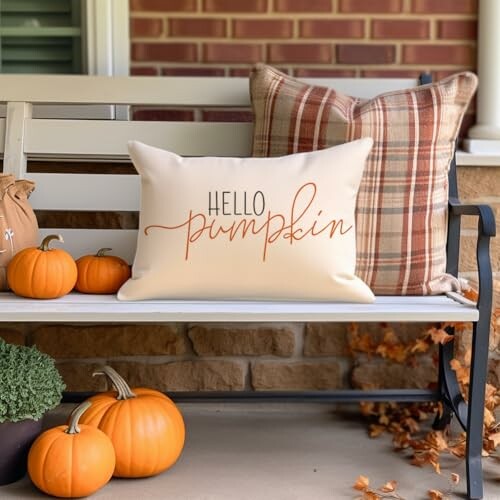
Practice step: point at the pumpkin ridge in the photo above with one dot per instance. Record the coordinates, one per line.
(132, 431)
(125, 440)
(41, 459)
(71, 485)
(32, 271)
(35, 288)
(61, 276)
(158, 425)
(108, 425)
(86, 275)
(154, 465)
(52, 445)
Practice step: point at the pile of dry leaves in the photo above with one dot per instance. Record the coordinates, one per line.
(403, 421)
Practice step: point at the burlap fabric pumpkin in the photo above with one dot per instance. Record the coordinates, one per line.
(18, 224)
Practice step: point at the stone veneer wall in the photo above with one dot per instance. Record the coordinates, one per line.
(304, 38)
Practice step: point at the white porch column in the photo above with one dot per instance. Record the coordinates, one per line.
(488, 96)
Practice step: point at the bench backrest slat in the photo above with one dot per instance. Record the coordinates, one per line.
(98, 192)
(107, 139)
(170, 91)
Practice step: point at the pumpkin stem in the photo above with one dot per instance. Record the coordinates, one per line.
(101, 251)
(75, 417)
(44, 246)
(123, 389)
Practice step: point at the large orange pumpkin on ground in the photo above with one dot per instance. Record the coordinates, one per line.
(145, 427)
(71, 461)
(101, 273)
(43, 272)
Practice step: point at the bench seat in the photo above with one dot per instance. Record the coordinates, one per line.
(107, 308)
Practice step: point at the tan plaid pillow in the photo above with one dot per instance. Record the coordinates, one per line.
(402, 201)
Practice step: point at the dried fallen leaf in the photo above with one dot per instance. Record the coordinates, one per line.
(471, 294)
(455, 478)
(436, 465)
(362, 483)
(420, 345)
(495, 439)
(458, 450)
(376, 430)
(439, 336)
(461, 371)
(390, 337)
(435, 495)
(411, 424)
(492, 397)
(367, 408)
(370, 495)
(401, 440)
(389, 487)
(489, 418)
(437, 440)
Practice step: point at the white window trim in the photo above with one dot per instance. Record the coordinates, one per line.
(106, 37)
(484, 136)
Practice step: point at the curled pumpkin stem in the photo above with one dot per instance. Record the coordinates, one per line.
(123, 389)
(75, 417)
(44, 246)
(102, 251)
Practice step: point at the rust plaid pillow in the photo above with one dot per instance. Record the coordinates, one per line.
(402, 201)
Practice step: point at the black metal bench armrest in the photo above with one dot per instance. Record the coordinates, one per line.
(485, 213)
(486, 230)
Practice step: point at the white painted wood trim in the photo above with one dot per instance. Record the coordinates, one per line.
(488, 94)
(2, 133)
(84, 138)
(15, 158)
(174, 91)
(86, 192)
(465, 159)
(120, 25)
(106, 37)
(106, 308)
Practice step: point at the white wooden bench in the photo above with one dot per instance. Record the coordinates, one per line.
(23, 138)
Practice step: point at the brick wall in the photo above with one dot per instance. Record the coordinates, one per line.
(303, 37)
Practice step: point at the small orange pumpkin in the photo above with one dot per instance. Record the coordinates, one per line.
(71, 461)
(145, 427)
(43, 272)
(101, 273)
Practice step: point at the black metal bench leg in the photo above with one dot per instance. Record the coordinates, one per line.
(443, 420)
(451, 398)
(478, 372)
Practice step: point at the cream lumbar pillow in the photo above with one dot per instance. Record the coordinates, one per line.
(248, 228)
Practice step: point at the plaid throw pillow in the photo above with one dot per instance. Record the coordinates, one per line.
(401, 218)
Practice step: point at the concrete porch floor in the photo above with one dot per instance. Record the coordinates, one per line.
(276, 452)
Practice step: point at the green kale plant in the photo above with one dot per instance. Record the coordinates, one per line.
(29, 383)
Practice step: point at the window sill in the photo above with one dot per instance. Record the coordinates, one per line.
(465, 159)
